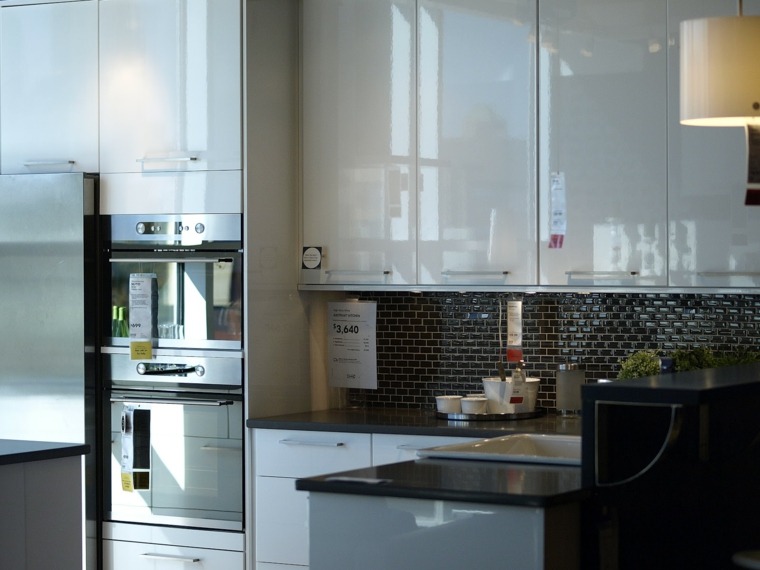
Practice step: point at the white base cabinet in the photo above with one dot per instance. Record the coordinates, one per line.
(282, 456)
(146, 547)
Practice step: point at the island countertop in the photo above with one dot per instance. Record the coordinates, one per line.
(14, 451)
(414, 422)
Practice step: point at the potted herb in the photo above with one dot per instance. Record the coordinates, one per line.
(641, 363)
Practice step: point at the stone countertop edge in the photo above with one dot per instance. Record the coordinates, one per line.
(14, 451)
(484, 482)
(414, 421)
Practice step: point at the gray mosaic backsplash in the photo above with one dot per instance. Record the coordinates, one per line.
(444, 343)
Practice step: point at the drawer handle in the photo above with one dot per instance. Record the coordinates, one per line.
(312, 443)
(603, 274)
(410, 446)
(154, 556)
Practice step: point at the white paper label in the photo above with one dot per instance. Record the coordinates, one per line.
(352, 348)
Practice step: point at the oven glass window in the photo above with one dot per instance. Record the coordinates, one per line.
(199, 300)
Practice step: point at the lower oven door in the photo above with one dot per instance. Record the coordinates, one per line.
(176, 459)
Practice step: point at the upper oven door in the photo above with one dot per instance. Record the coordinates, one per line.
(199, 297)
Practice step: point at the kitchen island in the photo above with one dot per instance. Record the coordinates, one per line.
(41, 500)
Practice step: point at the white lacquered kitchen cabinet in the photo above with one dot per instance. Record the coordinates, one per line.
(419, 141)
(146, 547)
(602, 93)
(359, 163)
(281, 457)
(714, 237)
(476, 142)
(170, 84)
(49, 88)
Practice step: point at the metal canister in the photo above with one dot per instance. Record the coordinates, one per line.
(569, 381)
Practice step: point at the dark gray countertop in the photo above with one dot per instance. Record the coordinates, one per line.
(414, 422)
(518, 484)
(22, 451)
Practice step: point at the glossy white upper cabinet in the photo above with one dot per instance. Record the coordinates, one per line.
(170, 84)
(359, 140)
(602, 98)
(714, 237)
(476, 142)
(49, 88)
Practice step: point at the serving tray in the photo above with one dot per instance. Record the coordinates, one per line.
(537, 413)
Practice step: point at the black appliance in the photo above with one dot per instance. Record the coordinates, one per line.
(674, 464)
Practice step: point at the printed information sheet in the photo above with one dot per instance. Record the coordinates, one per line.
(352, 344)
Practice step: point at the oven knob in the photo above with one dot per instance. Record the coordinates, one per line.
(140, 228)
(199, 228)
(200, 371)
(141, 368)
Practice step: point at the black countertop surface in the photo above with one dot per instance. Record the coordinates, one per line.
(491, 482)
(22, 451)
(414, 422)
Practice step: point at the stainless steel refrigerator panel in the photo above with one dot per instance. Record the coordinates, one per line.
(42, 306)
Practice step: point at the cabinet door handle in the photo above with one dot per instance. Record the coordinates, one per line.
(48, 162)
(167, 159)
(312, 443)
(454, 273)
(167, 557)
(728, 273)
(410, 447)
(603, 274)
(357, 272)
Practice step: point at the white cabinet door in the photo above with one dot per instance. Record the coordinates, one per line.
(170, 84)
(602, 97)
(49, 88)
(359, 163)
(390, 448)
(282, 512)
(118, 555)
(714, 237)
(476, 142)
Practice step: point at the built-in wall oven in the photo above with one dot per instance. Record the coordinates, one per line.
(174, 415)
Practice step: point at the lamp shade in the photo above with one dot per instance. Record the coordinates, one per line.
(720, 71)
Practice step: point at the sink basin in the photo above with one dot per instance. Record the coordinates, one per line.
(528, 448)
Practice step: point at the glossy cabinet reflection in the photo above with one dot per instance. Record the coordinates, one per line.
(418, 141)
(714, 237)
(170, 85)
(603, 141)
(49, 88)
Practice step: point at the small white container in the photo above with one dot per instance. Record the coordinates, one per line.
(474, 405)
(449, 404)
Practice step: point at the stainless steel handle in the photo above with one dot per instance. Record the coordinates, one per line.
(221, 448)
(454, 273)
(728, 273)
(48, 162)
(603, 274)
(357, 272)
(167, 159)
(312, 443)
(172, 260)
(184, 559)
(410, 447)
(145, 369)
(177, 401)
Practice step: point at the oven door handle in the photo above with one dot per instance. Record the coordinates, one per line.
(144, 369)
(177, 401)
(171, 260)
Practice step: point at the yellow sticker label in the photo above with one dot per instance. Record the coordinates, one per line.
(141, 350)
(127, 482)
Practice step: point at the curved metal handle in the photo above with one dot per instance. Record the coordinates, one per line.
(183, 559)
(357, 272)
(167, 159)
(454, 273)
(171, 260)
(728, 274)
(312, 443)
(146, 369)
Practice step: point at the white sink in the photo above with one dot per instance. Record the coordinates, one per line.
(530, 448)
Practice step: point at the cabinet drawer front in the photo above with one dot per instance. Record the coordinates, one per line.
(119, 555)
(292, 453)
(282, 521)
(388, 448)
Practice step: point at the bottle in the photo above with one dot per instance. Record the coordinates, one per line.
(519, 397)
(123, 328)
(114, 320)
